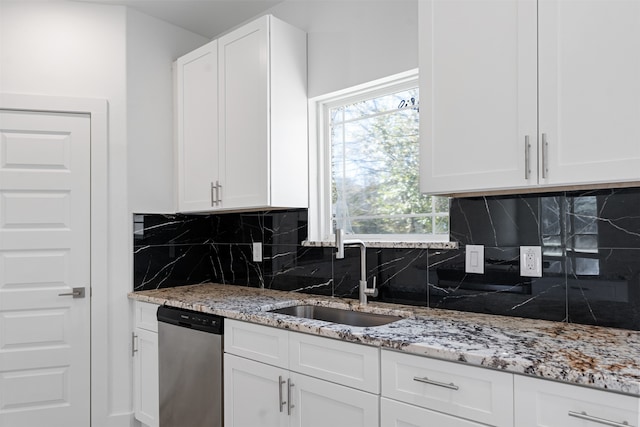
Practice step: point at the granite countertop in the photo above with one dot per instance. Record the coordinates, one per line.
(388, 244)
(594, 356)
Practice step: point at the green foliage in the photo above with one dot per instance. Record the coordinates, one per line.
(375, 169)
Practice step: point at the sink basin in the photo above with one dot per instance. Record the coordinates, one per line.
(337, 315)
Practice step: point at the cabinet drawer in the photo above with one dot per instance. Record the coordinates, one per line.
(353, 365)
(397, 414)
(260, 343)
(145, 316)
(477, 394)
(551, 404)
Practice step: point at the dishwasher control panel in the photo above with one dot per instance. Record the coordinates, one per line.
(191, 319)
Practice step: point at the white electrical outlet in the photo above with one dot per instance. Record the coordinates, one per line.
(530, 261)
(474, 259)
(257, 252)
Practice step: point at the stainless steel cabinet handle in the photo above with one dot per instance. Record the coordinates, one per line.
(527, 164)
(584, 416)
(426, 380)
(290, 406)
(213, 198)
(134, 350)
(75, 292)
(545, 153)
(281, 382)
(219, 193)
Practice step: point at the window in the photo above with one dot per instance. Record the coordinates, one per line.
(368, 166)
(570, 227)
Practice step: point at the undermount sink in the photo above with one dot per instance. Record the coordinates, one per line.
(337, 315)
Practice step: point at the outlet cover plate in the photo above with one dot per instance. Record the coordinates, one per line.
(530, 261)
(257, 252)
(474, 259)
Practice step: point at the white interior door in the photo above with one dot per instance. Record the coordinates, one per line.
(44, 252)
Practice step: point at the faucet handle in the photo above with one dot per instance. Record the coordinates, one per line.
(339, 243)
(372, 291)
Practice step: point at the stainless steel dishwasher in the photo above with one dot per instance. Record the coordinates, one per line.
(190, 368)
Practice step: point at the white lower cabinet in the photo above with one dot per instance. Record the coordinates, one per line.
(397, 414)
(254, 394)
(541, 403)
(279, 378)
(319, 403)
(265, 395)
(145, 364)
(465, 392)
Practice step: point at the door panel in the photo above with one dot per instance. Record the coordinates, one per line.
(478, 94)
(44, 251)
(589, 90)
(197, 121)
(244, 115)
(319, 403)
(251, 394)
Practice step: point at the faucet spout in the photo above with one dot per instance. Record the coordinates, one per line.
(364, 290)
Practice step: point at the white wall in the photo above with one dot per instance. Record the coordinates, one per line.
(152, 46)
(72, 49)
(77, 50)
(351, 42)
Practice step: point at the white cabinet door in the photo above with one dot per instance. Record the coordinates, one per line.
(397, 414)
(244, 115)
(541, 403)
(146, 377)
(253, 394)
(145, 363)
(197, 128)
(589, 90)
(478, 94)
(463, 391)
(318, 403)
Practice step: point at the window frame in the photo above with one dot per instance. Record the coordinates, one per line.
(319, 215)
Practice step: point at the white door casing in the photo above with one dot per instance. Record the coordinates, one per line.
(45, 250)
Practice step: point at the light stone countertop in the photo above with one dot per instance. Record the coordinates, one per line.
(388, 244)
(605, 358)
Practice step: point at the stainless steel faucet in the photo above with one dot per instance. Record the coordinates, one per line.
(340, 244)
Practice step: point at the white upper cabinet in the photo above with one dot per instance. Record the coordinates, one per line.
(525, 94)
(257, 129)
(590, 90)
(478, 94)
(197, 127)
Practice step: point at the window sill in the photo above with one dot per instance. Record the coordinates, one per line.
(387, 244)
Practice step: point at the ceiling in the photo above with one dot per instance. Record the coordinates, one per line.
(208, 18)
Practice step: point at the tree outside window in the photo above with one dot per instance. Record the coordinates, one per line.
(374, 168)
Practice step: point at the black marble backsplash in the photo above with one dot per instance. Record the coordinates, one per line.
(590, 242)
